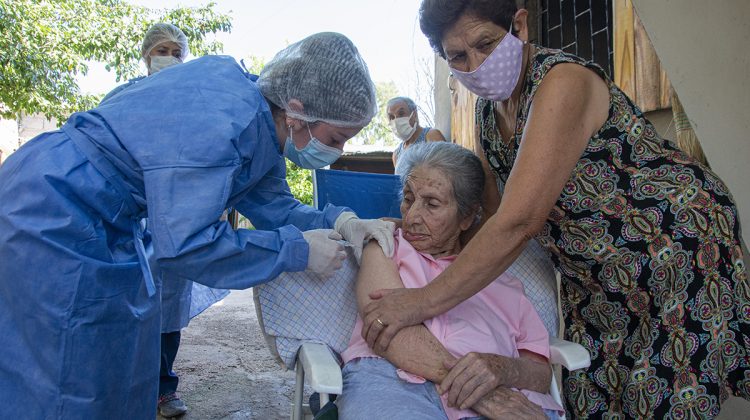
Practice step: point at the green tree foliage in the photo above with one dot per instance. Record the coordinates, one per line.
(44, 46)
(378, 131)
(300, 182)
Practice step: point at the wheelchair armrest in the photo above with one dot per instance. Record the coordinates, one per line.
(571, 355)
(321, 368)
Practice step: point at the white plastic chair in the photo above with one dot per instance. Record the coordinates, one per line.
(317, 365)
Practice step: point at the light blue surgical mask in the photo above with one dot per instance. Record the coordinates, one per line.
(313, 156)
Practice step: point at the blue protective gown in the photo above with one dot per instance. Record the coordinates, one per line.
(180, 300)
(80, 311)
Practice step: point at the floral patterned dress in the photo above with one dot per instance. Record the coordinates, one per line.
(653, 281)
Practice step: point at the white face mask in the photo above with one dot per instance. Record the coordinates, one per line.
(402, 128)
(161, 62)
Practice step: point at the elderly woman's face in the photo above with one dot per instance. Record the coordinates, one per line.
(470, 41)
(429, 212)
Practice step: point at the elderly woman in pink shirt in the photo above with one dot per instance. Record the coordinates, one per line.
(488, 356)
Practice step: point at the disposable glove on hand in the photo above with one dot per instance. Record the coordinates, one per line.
(358, 232)
(325, 255)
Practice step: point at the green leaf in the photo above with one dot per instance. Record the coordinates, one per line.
(46, 44)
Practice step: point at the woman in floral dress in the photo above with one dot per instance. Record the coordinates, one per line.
(646, 238)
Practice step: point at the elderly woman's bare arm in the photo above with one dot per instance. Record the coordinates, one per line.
(414, 349)
(569, 107)
(555, 136)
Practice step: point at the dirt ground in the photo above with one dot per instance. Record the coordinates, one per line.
(225, 368)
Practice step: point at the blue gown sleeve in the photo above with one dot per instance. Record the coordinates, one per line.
(190, 242)
(271, 204)
(202, 136)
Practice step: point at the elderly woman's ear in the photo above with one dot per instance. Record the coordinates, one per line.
(468, 221)
(521, 25)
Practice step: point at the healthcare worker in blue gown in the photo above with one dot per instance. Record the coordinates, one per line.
(165, 45)
(79, 305)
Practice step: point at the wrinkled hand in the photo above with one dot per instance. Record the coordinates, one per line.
(358, 231)
(472, 377)
(506, 404)
(390, 311)
(325, 255)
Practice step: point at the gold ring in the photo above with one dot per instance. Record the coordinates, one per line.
(379, 321)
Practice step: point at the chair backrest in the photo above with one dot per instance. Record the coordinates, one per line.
(301, 306)
(535, 270)
(370, 195)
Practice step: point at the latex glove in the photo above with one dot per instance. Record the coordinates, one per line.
(357, 232)
(325, 255)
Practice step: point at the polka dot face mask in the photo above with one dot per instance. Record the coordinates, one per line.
(497, 76)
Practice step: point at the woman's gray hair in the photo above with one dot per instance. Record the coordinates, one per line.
(462, 167)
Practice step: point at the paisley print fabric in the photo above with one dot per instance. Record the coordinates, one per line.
(654, 284)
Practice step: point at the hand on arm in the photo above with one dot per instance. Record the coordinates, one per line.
(413, 349)
(476, 374)
(358, 231)
(569, 107)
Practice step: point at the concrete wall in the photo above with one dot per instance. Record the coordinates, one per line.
(13, 134)
(442, 97)
(33, 125)
(702, 45)
(8, 138)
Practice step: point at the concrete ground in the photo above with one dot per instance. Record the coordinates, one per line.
(226, 371)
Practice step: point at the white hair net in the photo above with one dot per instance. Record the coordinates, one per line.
(163, 32)
(327, 75)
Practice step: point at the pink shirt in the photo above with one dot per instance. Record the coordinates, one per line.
(499, 319)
